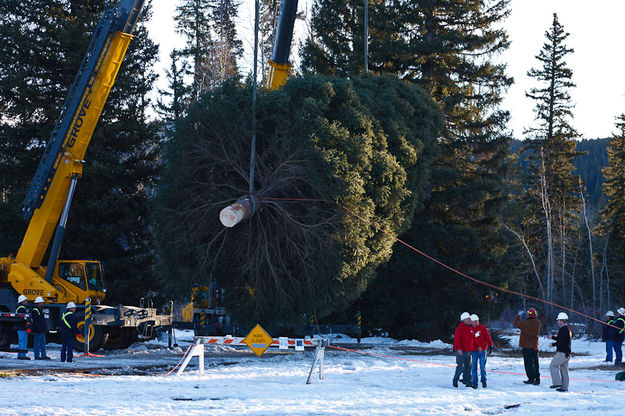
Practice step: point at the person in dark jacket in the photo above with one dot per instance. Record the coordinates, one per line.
(68, 330)
(528, 341)
(559, 366)
(22, 328)
(618, 336)
(463, 345)
(39, 330)
(608, 335)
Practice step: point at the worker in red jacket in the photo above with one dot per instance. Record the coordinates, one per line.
(463, 345)
(483, 343)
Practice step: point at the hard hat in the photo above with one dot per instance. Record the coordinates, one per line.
(562, 316)
(464, 316)
(621, 311)
(610, 313)
(39, 299)
(70, 305)
(532, 312)
(474, 317)
(21, 298)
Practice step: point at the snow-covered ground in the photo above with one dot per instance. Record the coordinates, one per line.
(417, 382)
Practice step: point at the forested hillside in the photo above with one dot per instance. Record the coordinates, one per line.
(588, 166)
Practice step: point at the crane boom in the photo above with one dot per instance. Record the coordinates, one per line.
(64, 154)
(282, 45)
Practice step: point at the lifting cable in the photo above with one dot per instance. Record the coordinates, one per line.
(473, 279)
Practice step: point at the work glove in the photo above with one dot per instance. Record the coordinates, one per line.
(521, 313)
(490, 350)
(28, 330)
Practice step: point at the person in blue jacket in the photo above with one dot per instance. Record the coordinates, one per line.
(619, 336)
(39, 330)
(608, 335)
(68, 329)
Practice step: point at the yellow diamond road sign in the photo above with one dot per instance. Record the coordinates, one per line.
(258, 340)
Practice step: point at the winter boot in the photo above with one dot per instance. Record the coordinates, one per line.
(455, 383)
(536, 382)
(484, 384)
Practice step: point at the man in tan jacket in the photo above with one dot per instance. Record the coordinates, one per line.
(530, 328)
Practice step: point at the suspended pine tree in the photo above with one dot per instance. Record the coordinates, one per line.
(323, 143)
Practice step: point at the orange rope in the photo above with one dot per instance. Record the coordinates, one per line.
(378, 228)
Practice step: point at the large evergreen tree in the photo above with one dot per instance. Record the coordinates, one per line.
(108, 220)
(362, 145)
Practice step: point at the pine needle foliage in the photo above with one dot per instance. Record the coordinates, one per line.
(364, 144)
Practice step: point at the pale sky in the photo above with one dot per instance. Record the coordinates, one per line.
(597, 35)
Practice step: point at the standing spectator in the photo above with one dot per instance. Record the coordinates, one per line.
(463, 345)
(68, 330)
(618, 336)
(39, 330)
(483, 342)
(22, 328)
(608, 335)
(559, 366)
(528, 341)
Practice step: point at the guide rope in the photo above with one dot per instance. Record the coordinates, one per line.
(473, 279)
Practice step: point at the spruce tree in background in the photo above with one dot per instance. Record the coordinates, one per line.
(193, 22)
(212, 44)
(551, 200)
(613, 214)
(178, 92)
(227, 48)
(447, 47)
(108, 219)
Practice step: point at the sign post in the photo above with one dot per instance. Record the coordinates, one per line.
(87, 323)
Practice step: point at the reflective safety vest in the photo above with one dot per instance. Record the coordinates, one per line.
(17, 310)
(622, 329)
(65, 320)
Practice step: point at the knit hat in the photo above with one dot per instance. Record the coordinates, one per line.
(531, 312)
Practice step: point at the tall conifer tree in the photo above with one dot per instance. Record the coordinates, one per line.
(552, 198)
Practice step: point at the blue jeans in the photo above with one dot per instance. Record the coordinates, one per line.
(608, 349)
(617, 351)
(463, 366)
(67, 349)
(481, 357)
(22, 343)
(39, 345)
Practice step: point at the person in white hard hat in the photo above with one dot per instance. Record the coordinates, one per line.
(68, 329)
(22, 328)
(619, 335)
(463, 345)
(559, 366)
(483, 343)
(39, 330)
(608, 335)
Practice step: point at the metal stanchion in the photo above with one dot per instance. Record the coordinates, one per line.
(87, 324)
